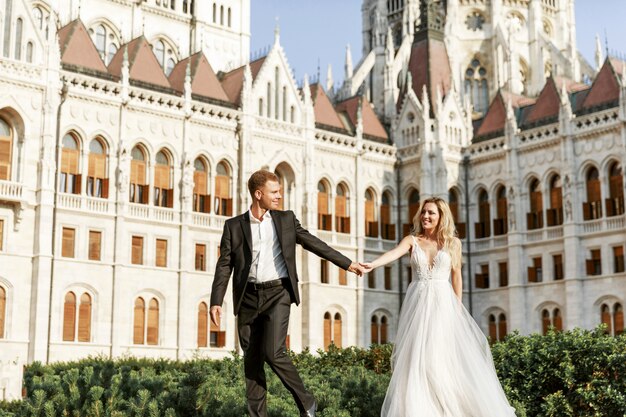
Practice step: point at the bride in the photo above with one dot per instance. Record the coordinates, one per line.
(442, 364)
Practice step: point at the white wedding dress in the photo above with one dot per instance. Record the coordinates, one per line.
(442, 364)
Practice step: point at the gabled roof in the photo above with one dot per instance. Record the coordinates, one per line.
(495, 119)
(204, 82)
(605, 88)
(325, 113)
(143, 64)
(371, 125)
(78, 49)
(548, 104)
(232, 82)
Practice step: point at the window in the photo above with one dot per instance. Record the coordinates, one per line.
(497, 327)
(276, 94)
(286, 179)
(503, 272)
(3, 307)
(203, 324)
(388, 230)
(453, 203)
(414, 205)
(70, 179)
(143, 334)
(324, 218)
(343, 278)
(613, 318)
(19, 27)
(95, 243)
(342, 218)
(379, 330)
(337, 330)
(534, 218)
(482, 278)
(106, 42)
(474, 21)
(332, 330)
(557, 260)
(6, 147)
(482, 227)
(229, 17)
(324, 271)
(137, 250)
(153, 323)
(223, 200)
(594, 265)
(371, 225)
(165, 55)
(535, 272)
(618, 258)
(551, 318)
(555, 213)
(161, 253)
(217, 335)
(388, 278)
(500, 224)
(371, 279)
(67, 244)
(476, 87)
(221, 15)
(328, 324)
(84, 318)
(201, 197)
(214, 13)
(29, 52)
(163, 192)
(615, 202)
(138, 185)
(592, 208)
(97, 181)
(70, 313)
(139, 322)
(69, 317)
(200, 261)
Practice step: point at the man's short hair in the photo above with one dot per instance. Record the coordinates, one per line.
(258, 180)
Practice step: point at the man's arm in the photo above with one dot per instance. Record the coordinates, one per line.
(321, 249)
(223, 269)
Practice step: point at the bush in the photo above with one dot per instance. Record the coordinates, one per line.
(563, 374)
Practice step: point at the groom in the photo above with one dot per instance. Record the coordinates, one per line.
(260, 246)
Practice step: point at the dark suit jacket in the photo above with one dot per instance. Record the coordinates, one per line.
(236, 254)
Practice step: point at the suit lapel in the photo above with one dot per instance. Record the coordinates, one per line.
(278, 226)
(247, 231)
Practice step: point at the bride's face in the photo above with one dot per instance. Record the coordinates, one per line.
(430, 216)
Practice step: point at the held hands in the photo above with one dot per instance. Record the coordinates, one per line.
(366, 266)
(356, 269)
(216, 314)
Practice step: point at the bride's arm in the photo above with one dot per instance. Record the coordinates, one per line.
(403, 247)
(457, 277)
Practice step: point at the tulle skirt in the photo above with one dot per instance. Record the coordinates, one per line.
(442, 364)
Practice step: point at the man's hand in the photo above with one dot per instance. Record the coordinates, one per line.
(367, 266)
(356, 268)
(216, 314)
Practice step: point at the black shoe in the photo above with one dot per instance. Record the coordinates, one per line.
(310, 412)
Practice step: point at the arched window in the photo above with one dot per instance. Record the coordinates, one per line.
(500, 224)
(534, 219)
(414, 205)
(84, 318)
(29, 52)
(217, 335)
(606, 318)
(287, 184)
(159, 51)
(19, 27)
(371, 225)
(221, 15)
(476, 86)
(214, 13)
(69, 317)
(138, 185)
(557, 320)
(482, 227)
(613, 317)
(293, 114)
(164, 53)
(493, 330)
(375, 330)
(555, 213)
(38, 17)
(261, 108)
(592, 208)
(106, 41)
(223, 200)
(545, 321)
(497, 327)
(551, 318)
(230, 15)
(502, 330)
(163, 192)
(337, 330)
(284, 104)
(201, 197)
(70, 179)
(139, 321)
(203, 323)
(269, 100)
(101, 41)
(153, 323)
(97, 181)
(387, 228)
(324, 219)
(327, 330)
(3, 308)
(454, 203)
(383, 330)
(379, 330)
(615, 202)
(342, 209)
(276, 93)
(6, 150)
(618, 319)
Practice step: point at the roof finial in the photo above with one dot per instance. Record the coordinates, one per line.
(599, 57)
(277, 33)
(329, 78)
(348, 65)
(606, 42)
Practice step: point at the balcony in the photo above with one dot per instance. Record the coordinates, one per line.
(614, 206)
(152, 214)
(11, 191)
(534, 220)
(83, 203)
(554, 216)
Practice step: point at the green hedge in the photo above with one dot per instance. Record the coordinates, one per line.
(577, 373)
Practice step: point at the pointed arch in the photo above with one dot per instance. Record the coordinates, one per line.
(324, 216)
(201, 181)
(69, 317)
(371, 222)
(163, 173)
(287, 181)
(223, 182)
(139, 186)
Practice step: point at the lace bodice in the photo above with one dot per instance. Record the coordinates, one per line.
(421, 270)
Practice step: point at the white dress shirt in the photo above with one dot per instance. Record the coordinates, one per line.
(268, 262)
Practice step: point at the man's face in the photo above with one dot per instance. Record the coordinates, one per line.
(269, 196)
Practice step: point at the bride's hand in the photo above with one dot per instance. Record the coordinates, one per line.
(367, 267)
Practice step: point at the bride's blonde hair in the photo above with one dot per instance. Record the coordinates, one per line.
(446, 230)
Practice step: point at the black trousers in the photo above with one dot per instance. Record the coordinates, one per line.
(263, 323)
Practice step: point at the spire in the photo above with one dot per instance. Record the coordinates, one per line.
(432, 19)
(306, 91)
(599, 56)
(330, 84)
(389, 47)
(425, 101)
(277, 33)
(187, 89)
(348, 65)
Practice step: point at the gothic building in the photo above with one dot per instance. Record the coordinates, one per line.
(128, 130)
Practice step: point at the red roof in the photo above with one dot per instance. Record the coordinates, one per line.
(495, 118)
(143, 64)
(232, 81)
(606, 86)
(325, 113)
(78, 49)
(430, 66)
(204, 82)
(371, 125)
